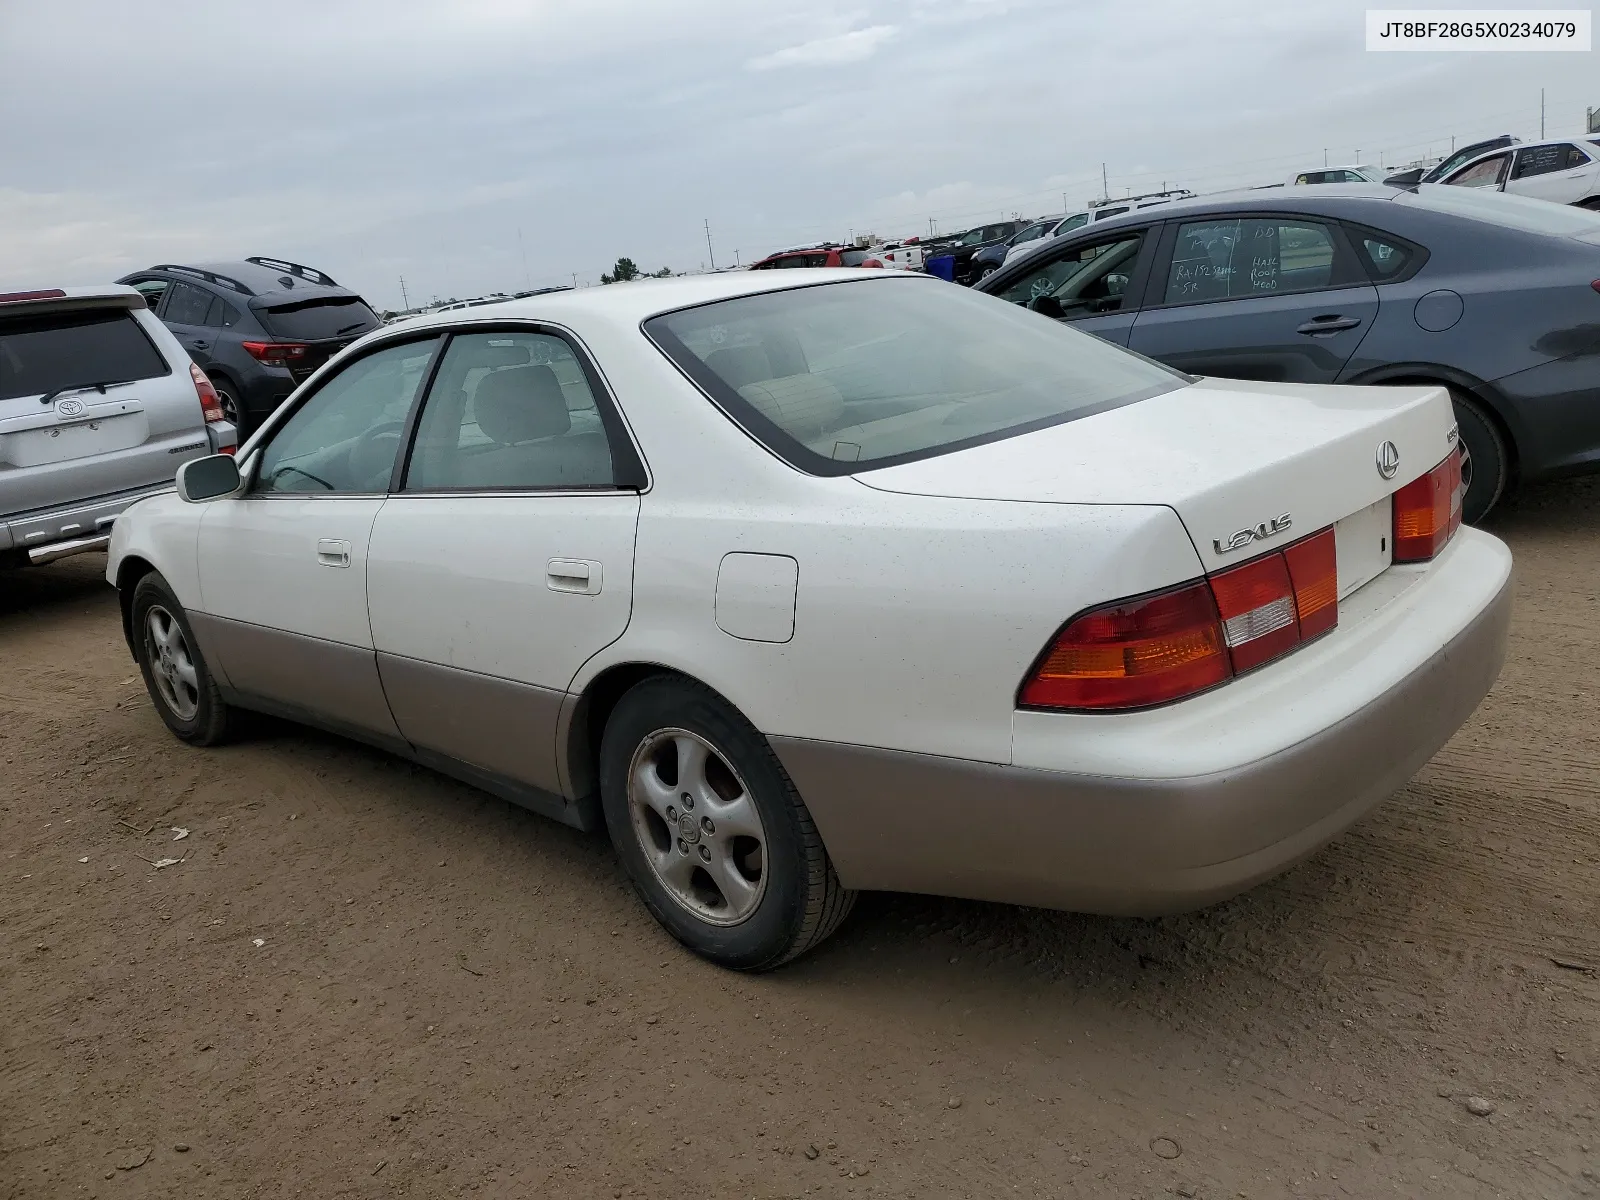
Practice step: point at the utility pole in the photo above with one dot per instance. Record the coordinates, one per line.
(736, 258)
(1541, 114)
(709, 252)
(574, 279)
(405, 299)
(1105, 188)
(1324, 156)
(1064, 204)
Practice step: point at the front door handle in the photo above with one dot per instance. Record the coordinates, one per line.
(199, 344)
(333, 553)
(1332, 323)
(581, 576)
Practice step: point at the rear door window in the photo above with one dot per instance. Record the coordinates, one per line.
(1539, 160)
(319, 319)
(186, 305)
(47, 352)
(1225, 259)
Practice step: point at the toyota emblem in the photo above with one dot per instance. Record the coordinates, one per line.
(1388, 459)
(70, 408)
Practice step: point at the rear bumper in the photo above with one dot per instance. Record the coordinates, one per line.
(82, 523)
(1125, 845)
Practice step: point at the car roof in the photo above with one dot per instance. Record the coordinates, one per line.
(630, 304)
(257, 280)
(1247, 200)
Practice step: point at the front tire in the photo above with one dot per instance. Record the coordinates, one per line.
(175, 674)
(718, 844)
(1487, 459)
(988, 270)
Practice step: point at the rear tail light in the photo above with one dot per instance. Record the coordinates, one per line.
(19, 297)
(1427, 511)
(276, 354)
(1596, 285)
(210, 402)
(1133, 654)
(1155, 649)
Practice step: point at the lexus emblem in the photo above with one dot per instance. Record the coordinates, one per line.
(1388, 459)
(70, 408)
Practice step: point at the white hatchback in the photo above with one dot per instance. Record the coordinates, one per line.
(813, 582)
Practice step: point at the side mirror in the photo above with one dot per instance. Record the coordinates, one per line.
(203, 479)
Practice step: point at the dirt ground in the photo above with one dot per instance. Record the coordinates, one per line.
(363, 979)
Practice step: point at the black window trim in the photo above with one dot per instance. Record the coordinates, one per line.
(777, 442)
(629, 473)
(1347, 269)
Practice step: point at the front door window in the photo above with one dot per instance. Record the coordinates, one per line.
(344, 437)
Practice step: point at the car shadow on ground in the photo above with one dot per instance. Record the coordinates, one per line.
(32, 592)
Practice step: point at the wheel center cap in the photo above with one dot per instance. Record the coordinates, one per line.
(688, 829)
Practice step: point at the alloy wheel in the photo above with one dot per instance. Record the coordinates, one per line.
(171, 663)
(698, 826)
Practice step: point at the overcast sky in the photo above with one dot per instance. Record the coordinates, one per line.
(483, 145)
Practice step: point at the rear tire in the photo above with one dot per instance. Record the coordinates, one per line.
(1487, 459)
(710, 829)
(232, 406)
(175, 674)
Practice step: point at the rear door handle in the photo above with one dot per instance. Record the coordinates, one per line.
(333, 553)
(1333, 323)
(199, 343)
(581, 576)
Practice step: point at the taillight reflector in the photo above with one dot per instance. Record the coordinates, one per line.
(210, 402)
(1147, 651)
(276, 353)
(19, 297)
(1133, 654)
(1427, 511)
(1314, 572)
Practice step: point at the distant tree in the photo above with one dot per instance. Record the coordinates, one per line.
(664, 273)
(625, 270)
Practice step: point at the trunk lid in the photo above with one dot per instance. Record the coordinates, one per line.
(1247, 466)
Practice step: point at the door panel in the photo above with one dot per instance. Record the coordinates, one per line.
(294, 609)
(475, 718)
(506, 559)
(480, 587)
(1260, 338)
(1269, 298)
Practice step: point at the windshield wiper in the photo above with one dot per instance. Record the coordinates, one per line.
(348, 328)
(84, 387)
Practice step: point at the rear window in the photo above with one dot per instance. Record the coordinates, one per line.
(46, 352)
(1514, 212)
(853, 258)
(848, 376)
(323, 317)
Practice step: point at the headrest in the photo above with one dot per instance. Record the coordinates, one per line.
(521, 404)
(739, 365)
(800, 405)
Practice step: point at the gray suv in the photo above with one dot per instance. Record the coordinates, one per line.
(99, 406)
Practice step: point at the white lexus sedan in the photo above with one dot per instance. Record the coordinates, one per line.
(810, 582)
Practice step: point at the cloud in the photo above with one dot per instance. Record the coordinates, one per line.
(855, 46)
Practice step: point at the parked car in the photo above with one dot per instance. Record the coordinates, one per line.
(1494, 297)
(1108, 207)
(805, 584)
(99, 407)
(829, 255)
(1057, 227)
(1445, 166)
(962, 249)
(903, 256)
(1334, 175)
(988, 260)
(1564, 171)
(258, 328)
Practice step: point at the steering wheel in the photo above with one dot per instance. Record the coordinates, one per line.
(373, 452)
